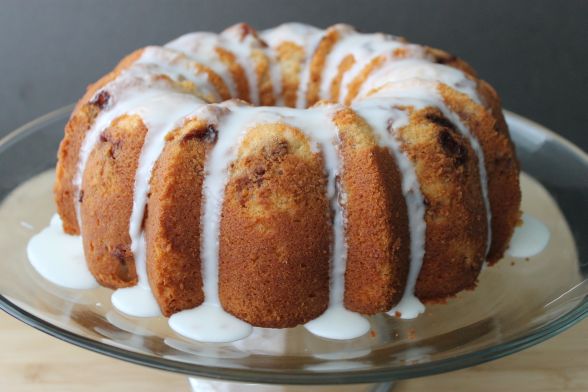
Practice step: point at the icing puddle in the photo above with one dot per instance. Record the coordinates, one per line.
(58, 257)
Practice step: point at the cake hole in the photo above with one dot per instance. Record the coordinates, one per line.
(440, 120)
(452, 148)
(209, 134)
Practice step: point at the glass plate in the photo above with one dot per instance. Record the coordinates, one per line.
(518, 303)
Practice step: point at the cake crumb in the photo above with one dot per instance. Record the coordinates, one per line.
(411, 334)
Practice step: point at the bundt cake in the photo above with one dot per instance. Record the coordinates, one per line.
(291, 176)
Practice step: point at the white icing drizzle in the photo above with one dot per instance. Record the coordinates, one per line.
(209, 323)
(240, 45)
(178, 66)
(385, 120)
(299, 33)
(309, 50)
(137, 91)
(361, 63)
(529, 239)
(420, 69)
(200, 47)
(337, 322)
(160, 115)
(231, 128)
(59, 257)
(420, 94)
(219, 325)
(475, 144)
(364, 48)
(122, 88)
(316, 123)
(275, 76)
(342, 49)
(136, 301)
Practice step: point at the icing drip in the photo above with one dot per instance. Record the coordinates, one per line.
(309, 49)
(134, 87)
(137, 301)
(475, 144)
(362, 63)
(179, 67)
(529, 239)
(335, 57)
(201, 47)
(209, 323)
(421, 70)
(219, 326)
(316, 123)
(298, 33)
(275, 75)
(384, 119)
(240, 42)
(161, 115)
(232, 128)
(161, 110)
(364, 48)
(337, 322)
(59, 257)
(420, 94)
(240, 45)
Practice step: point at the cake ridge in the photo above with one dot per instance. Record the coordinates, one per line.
(427, 92)
(384, 119)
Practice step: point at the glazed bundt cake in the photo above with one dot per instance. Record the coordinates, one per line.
(290, 175)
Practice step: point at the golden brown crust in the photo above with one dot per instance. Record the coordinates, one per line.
(275, 231)
(237, 73)
(105, 209)
(378, 243)
(447, 169)
(172, 228)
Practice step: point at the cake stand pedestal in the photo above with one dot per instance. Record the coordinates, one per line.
(205, 385)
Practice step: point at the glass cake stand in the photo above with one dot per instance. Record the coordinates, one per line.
(518, 303)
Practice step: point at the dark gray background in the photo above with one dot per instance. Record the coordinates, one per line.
(535, 53)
